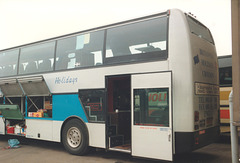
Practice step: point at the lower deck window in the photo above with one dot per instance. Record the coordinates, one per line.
(92, 101)
(151, 107)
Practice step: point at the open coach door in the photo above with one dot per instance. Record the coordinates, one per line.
(152, 116)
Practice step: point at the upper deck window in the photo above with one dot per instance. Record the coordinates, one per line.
(8, 63)
(80, 51)
(37, 58)
(146, 40)
(199, 29)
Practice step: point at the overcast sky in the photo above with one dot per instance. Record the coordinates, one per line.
(26, 21)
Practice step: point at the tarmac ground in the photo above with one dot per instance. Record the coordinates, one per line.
(43, 151)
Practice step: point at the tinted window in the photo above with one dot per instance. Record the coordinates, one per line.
(137, 41)
(92, 101)
(80, 51)
(8, 63)
(37, 58)
(225, 61)
(199, 29)
(225, 76)
(151, 107)
(225, 70)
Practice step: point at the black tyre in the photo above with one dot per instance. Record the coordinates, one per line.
(75, 137)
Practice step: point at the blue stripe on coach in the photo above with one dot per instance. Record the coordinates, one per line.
(65, 106)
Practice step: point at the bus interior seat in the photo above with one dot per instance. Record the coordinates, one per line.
(85, 59)
(45, 65)
(21, 68)
(62, 62)
(120, 50)
(31, 67)
(8, 70)
(148, 49)
(98, 63)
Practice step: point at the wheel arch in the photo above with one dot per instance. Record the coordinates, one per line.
(71, 118)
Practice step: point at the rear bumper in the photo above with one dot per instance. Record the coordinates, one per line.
(190, 141)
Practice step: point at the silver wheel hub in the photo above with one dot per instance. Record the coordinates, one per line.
(74, 137)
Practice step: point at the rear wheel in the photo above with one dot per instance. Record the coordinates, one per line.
(75, 137)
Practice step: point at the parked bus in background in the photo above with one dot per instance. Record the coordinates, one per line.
(225, 80)
(147, 86)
